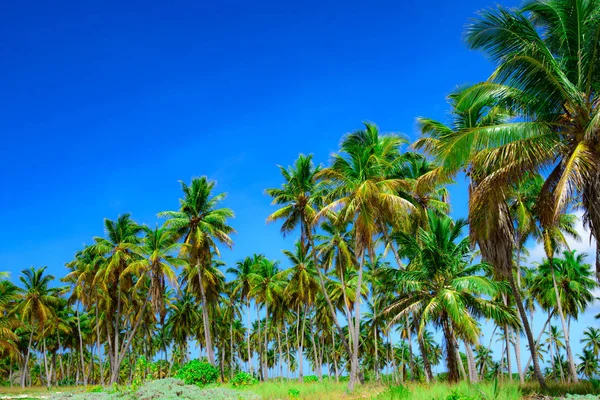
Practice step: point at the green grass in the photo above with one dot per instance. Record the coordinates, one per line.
(331, 390)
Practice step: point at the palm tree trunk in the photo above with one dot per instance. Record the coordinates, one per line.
(572, 369)
(205, 319)
(298, 346)
(376, 366)
(507, 346)
(81, 347)
(280, 355)
(451, 360)
(536, 366)
(287, 354)
(26, 364)
(100, 358)
(471, 363)
(231, 349)
(332, 312)
(517, 348)
(260, 347)
(411, 361)
(46, 364)
(250, 369)
(266, 345)
(356, 333)
(301, 352)
(425, 357)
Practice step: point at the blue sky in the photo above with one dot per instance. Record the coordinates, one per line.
(105, 106)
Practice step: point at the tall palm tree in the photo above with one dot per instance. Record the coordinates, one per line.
(456, 148)
(442, 288)
(159, 246)
(268, 284)
(365, 193)
(120, 248)
(181, 321)
(547, 66)
(301, 290)
(300, 197)
(38, 305)
(203, 224)
(242, 287)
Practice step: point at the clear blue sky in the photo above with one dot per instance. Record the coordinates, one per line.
(106, 105)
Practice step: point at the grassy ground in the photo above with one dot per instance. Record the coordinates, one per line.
(330, 390)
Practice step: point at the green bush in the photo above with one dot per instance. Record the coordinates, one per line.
(395, 393)
(198, 373)
(311, 378)
(294, 393)
(243, 379)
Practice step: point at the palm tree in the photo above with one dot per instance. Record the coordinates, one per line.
(38, 305)
(182, 320)
(365, 193)
(121, 248)
(242, 286)
(268, 285)
(203, 224)
(160, 246)
(477, 109)
(300, 197)
(591, 340)
(589, 366)
(547, 66)
(441, 287)
(301, 290)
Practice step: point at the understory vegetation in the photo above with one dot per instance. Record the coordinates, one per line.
(379, 287)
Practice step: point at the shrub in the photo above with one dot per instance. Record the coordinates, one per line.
(311, 378)
(243, 379)
(294, 393)
(198, 373)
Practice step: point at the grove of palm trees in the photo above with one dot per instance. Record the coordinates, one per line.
(379, 291)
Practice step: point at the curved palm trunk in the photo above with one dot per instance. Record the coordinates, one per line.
(471, 363)
(207, 337)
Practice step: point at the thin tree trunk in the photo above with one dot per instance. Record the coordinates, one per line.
(26, 364)
(473, 378)
(517, 348)
(411, 362)
(231, 349)
(250, 369)
(572, 369)
(425, 357)
(355, 337)
(536, 366)
(205, 320)
(539, 337)
(100, 358)
(507, 346)
(451, 360)
(266, 345)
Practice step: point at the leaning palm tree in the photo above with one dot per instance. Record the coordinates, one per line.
(547, 71)
(38, 305)
(202, 224)
(364, 192)
(440, 287)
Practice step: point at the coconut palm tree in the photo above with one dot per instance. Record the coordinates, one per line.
(442, 288)
(300, 197)
(477, 109)
(591, 340)
(301, 289)
(589, 365)
(38, 305)
(547, 68)
(202, 224)
(365, 193)
(242, 286)
(268, 284)
(159, 246)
